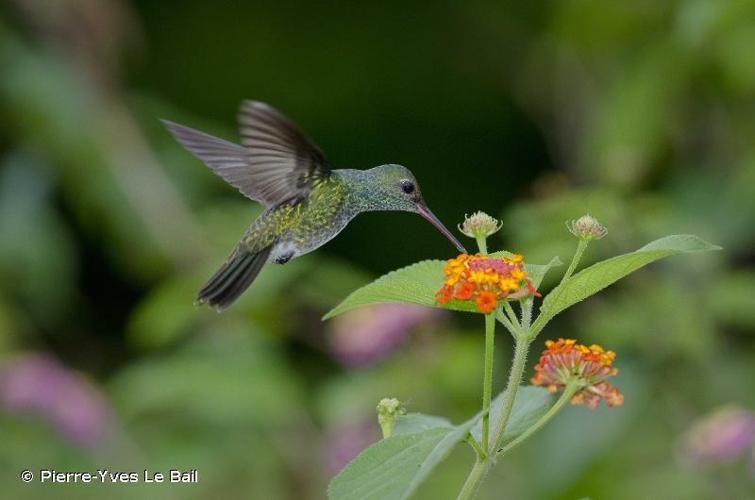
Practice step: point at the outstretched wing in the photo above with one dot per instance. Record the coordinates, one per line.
(283, 163)
(275, 164)
(226, 159)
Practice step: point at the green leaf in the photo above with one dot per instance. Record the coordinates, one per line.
(537, 271)
(530, 404)
(394, 468)
(417, 284)
(598, 276)
(418, 422)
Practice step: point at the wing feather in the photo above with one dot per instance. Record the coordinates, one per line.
(226, 159)
(275, 162)
(285, 162)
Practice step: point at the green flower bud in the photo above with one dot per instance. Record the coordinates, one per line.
(388, 410)
(479, 225)
(586, 228)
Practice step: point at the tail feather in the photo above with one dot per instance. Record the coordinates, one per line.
(235, 276)
(219, 279)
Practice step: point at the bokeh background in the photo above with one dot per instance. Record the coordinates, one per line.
(641, 113)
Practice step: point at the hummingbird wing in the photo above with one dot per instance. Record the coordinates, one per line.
(283, 164)
(225, 158)
(276, 164)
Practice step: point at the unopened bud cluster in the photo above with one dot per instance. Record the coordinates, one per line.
(388, 410)
(480, 225)
(587, 228)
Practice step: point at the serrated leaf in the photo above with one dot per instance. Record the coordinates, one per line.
(418, 422)
(530, 404)
(417, 284)
(414, 284)
(394, 468)
(598, 276)
(538, 271)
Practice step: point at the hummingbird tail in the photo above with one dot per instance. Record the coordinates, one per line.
(235, 276)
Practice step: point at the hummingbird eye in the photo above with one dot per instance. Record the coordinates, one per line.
(407, 187)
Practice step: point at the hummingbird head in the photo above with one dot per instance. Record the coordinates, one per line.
(394, 187)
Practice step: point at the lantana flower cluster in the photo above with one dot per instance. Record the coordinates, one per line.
(484, 280)
(565, 361)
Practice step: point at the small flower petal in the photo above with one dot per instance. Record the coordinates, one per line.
(565, 361)
(486, 302)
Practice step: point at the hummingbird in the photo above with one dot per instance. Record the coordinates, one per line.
(307, 203)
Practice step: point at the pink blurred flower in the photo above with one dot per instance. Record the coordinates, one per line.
(370, 333)
(346, 441)
(39, 384)
(725, 434)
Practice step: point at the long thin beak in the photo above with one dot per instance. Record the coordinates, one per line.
(432, 219)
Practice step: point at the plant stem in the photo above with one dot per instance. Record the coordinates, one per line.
(481, 455)
(386, 428)
(483, 463)
(472, 484)
(526, 307)
(569, 391)
(581, 246)
(505, 322)
(511, 314)
(512, 386)
(487, 384)
(482, 244)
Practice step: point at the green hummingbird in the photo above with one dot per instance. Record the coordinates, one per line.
(307, 203)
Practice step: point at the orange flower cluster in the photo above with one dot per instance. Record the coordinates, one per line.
(564, 361)
(484, 280)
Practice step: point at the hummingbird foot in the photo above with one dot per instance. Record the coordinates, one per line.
(282, 259)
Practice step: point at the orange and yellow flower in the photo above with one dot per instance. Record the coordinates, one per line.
(565, 361)
(486, 301)
(464, 291)
(485, 280)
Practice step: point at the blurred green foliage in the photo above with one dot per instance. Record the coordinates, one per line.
(640, 113)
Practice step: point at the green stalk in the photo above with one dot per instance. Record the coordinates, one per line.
(474, 480)
(483, 464)
(476, 475)
(581, 246)
(569, 391)
(505, 322)
(526, 307)
(482, 243)
(512, 386)
(387, 428)
(481, 455)
(487, 384)
(511, 314)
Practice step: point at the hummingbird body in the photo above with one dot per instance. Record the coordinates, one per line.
(308, 204)
(298, 228)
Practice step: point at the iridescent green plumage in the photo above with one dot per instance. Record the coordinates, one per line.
(307, 203)
(302, 224)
